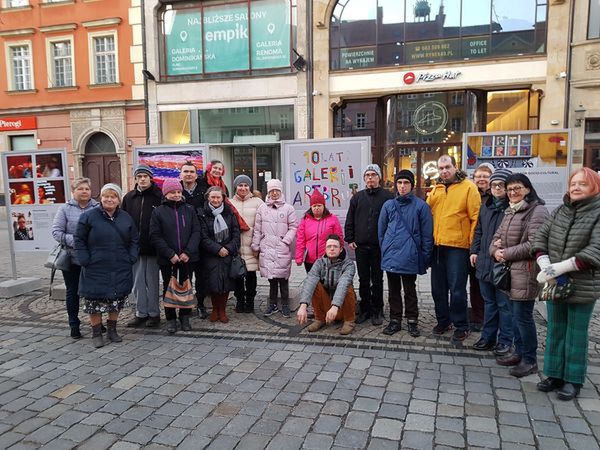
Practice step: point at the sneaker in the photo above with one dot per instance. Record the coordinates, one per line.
(272, 309)
(439, 330)
(285, 311)
(413, 329)
(502, 349)
(393, 327)
(137, 322)
(460, 335)
(482, 345)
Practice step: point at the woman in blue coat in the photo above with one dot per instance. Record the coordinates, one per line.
(406, 240)
(106, 246)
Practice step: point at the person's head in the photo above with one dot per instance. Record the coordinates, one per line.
(21, 222)
(188, 173)
(171, 189)
(405, 182)
(242, 185)
(216, 168)
(372, 176)
(447, 168)
(333, 246)
(481, 176)
(215, 196)
(274, 189)
(584, 183)
(317, 204)
(110, 196)
(519, 187)
(81, 189)
(143, 176)
(41, 192)
(498, 183)
(53, 162)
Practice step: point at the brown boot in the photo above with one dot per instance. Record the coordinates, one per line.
(222, 312)
(214, 315)
(316, 325)
(347, 328)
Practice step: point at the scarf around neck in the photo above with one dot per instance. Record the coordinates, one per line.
(214, 181)
(517, 206)
(219, 225)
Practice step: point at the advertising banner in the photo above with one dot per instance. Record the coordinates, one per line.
(35, 183)
(358, 57)
(183, 37)
(226, 37)
(270, 22)
(166, 160)
(447, 49)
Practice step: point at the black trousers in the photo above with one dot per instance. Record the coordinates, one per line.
(183, 270)
(284, 286)
(198, 281)
(370, 278)
(245, 287)
(411, 306)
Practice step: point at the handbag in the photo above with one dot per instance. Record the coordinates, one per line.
(557, 292)
(179, 295)
(237, 269)
(58, 258)
(501, 276)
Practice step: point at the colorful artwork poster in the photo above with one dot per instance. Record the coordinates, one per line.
(166, 163)
(19, 166)
(513, 145)
(50, 192)
(21, 193)
(500, 146)
(525, 145)
(49, 165)
(487, 146)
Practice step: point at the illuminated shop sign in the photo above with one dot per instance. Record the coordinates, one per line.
(427, 77)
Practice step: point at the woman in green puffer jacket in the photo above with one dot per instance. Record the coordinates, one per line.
(569, 244)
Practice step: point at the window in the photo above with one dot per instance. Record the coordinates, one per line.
(284, 121)
(456, 124)
(457, 98)
(60, 63)
(22, 142)
(20, 66)
(16, 3)
(361, 120)
(594, 20)
(104, 59)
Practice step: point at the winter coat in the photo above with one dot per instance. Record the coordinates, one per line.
(247, 208)
(274, 231)
(106, 248)
(174, 229)
(490, 217)
(312, 236)
(196, 197)
(65, 223)
(516, 233)
(455, 209)
(363, 216)
(139, 205)
(336, 277)
(405, 235)
(216, 269)
(574, 230)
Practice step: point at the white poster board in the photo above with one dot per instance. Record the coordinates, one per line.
(334, 166)
(36, 185)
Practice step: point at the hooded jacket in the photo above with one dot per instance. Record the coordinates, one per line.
(248, 207)
(363, 216)
(139, 205)
(65, 223)
(312, 236)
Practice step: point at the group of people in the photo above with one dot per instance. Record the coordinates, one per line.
(190, 228)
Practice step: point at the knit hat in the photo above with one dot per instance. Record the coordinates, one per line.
(143, 168)
(372, 168)
(170, 185)
(242, 179)
(500, 175)
(317, 198)
(405, 175)
(274, 184)
(113, 187)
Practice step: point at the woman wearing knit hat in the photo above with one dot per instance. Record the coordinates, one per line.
(274, 232)
(175, 234)
(247, 205)
(106, 246)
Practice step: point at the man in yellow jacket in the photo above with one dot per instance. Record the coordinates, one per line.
(455, 203)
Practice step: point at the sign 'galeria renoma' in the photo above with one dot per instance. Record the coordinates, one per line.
(227, 38)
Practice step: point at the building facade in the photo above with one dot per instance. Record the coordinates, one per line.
(72, 78)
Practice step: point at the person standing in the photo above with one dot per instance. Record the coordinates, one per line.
(64, 228)
(568, 248)
(139, 203)
(106, 245)
(455, 204)
(406, 242)
(247, 205)
(360, 232)
(274, 231)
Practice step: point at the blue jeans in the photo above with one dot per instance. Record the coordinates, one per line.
(71, 278)
(449, 272)
(524, 330)
(497, 315)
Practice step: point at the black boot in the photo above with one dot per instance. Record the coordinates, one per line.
(185, 323)
(239, 303)
(97, 339)
(111, 332)
(172, 326)
(364, 313)
(249, 305)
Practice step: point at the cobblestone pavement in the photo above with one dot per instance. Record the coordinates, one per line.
(266, 383)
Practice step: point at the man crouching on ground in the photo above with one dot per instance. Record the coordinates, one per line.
(328, 286)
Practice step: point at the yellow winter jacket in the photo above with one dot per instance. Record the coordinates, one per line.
(455, 210)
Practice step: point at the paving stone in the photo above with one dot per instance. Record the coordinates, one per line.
(295, 426)
(100, 441)
(266, 426)
(449, 438)
(547, 429)
(516, 434)
(120, 426)
(10, 438)
(419, 422)
(581, 442)
(335, 407)
(98, 418)
(253, 441)
(171, 436)
(315, 441)
(551, 443)
(422, 407)
(483, 424)
(358, 420)
(417, 440)
(141, 435)
(480, 439)
(348, 438)
(574, 425)
(366, 404)
(387, 429)
(327, 424)
(450, 424)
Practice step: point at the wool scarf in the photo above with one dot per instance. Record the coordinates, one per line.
(219, 226)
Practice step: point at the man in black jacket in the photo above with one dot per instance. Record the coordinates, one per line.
(360, 231)
(139, 203)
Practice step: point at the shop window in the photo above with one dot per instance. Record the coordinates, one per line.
(594, 20)
(512, 110)
(20, 67)
(103, 55)
(175, 127)
(22, 142)
(59, 53)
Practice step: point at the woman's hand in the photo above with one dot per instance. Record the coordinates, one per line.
(331, 314)
(499, 255)
(223, 252)
(174, 259)
(302, 314)
(473, 259)
(184, 258)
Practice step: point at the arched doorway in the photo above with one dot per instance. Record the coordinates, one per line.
(101, 163)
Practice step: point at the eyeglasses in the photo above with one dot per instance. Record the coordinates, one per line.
(514, 190)
(371, 175)
(485, 176)
(498, 186)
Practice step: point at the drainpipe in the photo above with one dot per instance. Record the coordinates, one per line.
(310, 103)
(569, 62)
(144, 62)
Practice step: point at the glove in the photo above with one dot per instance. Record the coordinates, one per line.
(543, 261)
(554, 270)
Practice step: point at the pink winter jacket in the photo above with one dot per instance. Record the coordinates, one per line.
(312, 236)
(274, 231)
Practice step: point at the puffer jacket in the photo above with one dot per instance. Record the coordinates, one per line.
(65, 223)
(405, 250)
(274, 231)
(363, 215)
(312, 236)
(247, 207)
(139, 205)
(490, 218)
(455, 209)
(196, 197)
(106, 248)
(216, 269)
(517, 233)
(336, 276)
(574, 230)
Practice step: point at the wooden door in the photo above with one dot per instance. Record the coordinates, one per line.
(102, 169)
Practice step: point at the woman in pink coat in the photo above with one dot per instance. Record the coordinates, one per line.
(316, 225)
(274, 231)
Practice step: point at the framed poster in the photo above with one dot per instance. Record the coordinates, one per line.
(166, 160)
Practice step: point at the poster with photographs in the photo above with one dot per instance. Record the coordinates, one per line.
(525, 145)
(487, 146)
(512, 145)
(36, 186)
(499, 145)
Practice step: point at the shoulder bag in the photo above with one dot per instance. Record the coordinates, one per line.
(501, 276)
(179, 295)
(237, 269)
